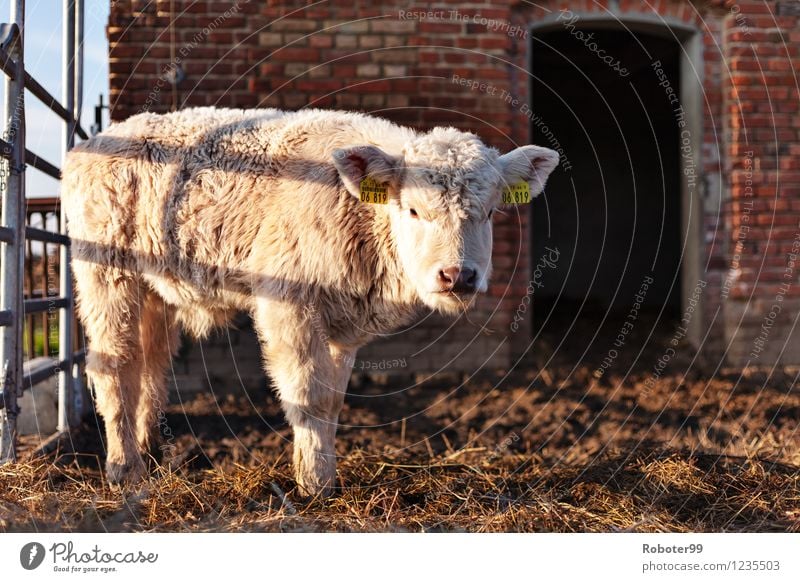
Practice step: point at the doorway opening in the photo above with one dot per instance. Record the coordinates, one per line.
(611, 213)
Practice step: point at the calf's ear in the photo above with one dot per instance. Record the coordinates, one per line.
(531, 164)
(356, 163)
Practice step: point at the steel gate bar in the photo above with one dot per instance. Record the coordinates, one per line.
(12, 183)
(65, 385)
(14, 232)
(76, 398)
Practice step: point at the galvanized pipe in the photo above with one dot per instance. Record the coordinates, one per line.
(78, 105)
(42, 165)
(65, 377)
(78, 391)
(50, 102)
(13, 209)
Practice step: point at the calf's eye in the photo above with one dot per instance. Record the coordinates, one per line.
(413, 213)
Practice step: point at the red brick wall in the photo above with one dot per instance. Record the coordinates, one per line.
(762, 44)
(382, 58)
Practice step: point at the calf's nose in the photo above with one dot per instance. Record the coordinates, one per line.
(458, 280)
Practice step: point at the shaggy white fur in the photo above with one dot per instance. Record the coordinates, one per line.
(180, 220)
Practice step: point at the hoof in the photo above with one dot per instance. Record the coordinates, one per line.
(308, 493)
(314, 485)
(125, 473)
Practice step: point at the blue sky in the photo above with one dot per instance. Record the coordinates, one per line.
(43, 61)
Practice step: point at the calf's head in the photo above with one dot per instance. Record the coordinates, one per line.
(440, 195)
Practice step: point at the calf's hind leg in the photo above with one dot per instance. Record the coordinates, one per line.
(159, 339)
(109, 309)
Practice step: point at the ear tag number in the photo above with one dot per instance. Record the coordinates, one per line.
(519, 193)
(373, 192)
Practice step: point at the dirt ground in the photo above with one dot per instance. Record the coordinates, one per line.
(546, 448)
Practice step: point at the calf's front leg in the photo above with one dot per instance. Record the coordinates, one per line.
(310, 374)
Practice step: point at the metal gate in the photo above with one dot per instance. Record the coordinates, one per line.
(14, 232)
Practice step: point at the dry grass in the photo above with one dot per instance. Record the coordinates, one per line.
(649, 491)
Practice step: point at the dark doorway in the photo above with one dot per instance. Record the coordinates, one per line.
(612, 210)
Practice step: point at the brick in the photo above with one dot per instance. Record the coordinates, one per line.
(394, 56)
(320, 72)
(344, 71)
(393, 26)
(347, 41)
(395, 70)
(379, 86)
(320, 41)
(440, 27)
(291, 54)
(359, 27)
(373, 101)
(370, 41)
(394, 100)
(295, 69)
(293, 25)
(499, 42)
(368, 70)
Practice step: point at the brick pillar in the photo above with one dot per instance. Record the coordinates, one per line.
(763, 209)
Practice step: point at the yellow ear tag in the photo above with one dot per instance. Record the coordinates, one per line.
(373, 192)
(519, 193)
